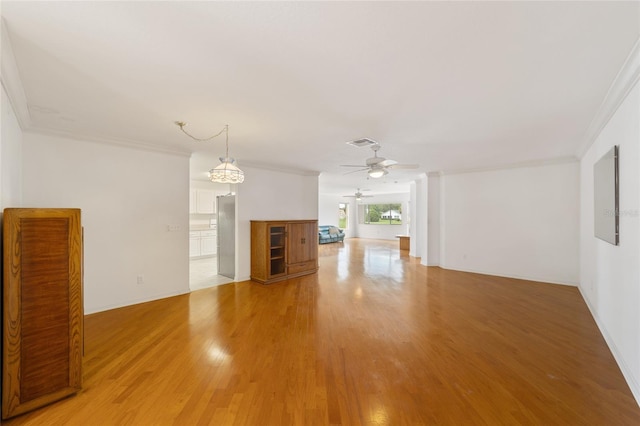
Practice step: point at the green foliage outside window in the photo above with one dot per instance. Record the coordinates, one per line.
(383, 214)
(343, 217)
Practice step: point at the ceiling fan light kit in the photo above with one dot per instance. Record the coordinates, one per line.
(375, 166)
(358, 195)
(226, 171)
(377, 172)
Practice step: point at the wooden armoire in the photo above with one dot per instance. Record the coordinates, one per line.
(42, 340)
(282, 249)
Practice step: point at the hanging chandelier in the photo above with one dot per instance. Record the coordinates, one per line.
(226, 171)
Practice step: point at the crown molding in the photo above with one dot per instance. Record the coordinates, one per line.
(624, 82)
(279, 168)
(122, 143)
(523, 164)
(11, 81)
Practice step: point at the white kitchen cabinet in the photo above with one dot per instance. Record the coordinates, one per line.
(193, 196)
(205, 202)
(202, 243)
(202, 201)
(194, 243)
(208, 244)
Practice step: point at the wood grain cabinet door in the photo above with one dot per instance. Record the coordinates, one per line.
(298, 243)
(42, 307)
(303, 242)
(312, 239)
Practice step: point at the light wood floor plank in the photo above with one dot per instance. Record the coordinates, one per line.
(374, 338)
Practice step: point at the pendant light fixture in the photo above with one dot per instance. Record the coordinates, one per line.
(226, 171)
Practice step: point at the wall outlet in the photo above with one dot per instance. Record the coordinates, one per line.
(173, 228)
(140, 279)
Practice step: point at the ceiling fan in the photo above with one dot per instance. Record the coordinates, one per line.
(358, 195)
(379, 166)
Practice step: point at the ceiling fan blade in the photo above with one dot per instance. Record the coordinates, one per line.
(351, 165)
(355, 171)
(387, 163)
(404, 166)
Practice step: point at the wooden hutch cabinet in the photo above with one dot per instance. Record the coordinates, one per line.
(42, 308)
(282, 249)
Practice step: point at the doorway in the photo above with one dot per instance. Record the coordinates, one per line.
(203, 273)
(204, 249)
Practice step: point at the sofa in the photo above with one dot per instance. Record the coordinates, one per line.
(330, 234)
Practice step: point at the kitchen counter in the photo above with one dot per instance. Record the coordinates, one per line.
(201, 227)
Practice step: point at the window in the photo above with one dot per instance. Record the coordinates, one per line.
(383, 214)
(343, 215)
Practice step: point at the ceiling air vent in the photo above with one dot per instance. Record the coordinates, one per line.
(362, 142)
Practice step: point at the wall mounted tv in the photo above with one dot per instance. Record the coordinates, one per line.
(605, 195)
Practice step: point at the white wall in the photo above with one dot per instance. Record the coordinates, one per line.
(433, 221)
(219, 188)
(328, 208)
(270, 195)
(10, 157)
(610, 275)
(421, 221)
(519, 223)
(14, 116)
(127, 197)
(414, 212)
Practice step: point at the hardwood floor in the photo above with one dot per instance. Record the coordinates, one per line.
(373, 338)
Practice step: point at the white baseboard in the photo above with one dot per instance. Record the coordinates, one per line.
(135, 302)
(626, 371)
(517, 277)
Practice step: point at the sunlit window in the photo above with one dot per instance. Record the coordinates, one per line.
(343, 216)
(383, 214)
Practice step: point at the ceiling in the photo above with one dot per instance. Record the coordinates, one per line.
(448, 85)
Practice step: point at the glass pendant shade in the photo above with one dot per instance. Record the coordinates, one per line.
(377, 172)
(226, 172)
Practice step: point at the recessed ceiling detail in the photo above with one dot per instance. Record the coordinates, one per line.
(362, 142)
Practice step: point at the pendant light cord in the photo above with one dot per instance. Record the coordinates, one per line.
(225, 129)
(225, 172)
